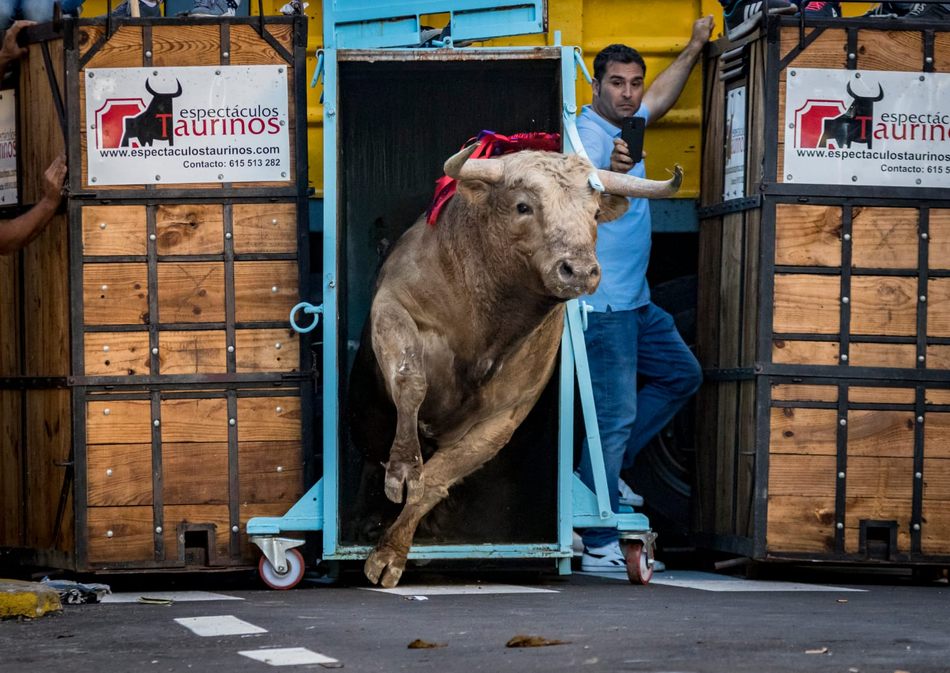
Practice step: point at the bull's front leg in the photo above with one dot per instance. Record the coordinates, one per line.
(446, 467)
(398, 349)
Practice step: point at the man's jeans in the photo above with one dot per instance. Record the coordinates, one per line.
(31, 10)
(621, 344)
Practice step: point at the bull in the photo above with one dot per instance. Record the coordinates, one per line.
(466, 320)
(154, 122)
(854, 124)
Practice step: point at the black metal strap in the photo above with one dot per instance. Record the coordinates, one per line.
(54, 85)
(841, 467)
(852, 49)
(928, 65)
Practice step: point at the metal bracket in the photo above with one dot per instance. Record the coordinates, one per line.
(730, 206)
(275, 549)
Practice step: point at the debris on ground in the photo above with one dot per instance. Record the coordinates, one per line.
(151, 600)
(77, 593)
(533, 641)
(420, 644)
(27, 600)
(818, 650)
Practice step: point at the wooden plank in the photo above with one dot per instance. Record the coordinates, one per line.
(119, 474)
(264, 291)
(935, 528)
(180, 45)
(745, 461)
(801, 524)
(11, 469)
(938, 237)
(788, 352)
(880, 434)
(176, 515)
(890, 50)
(884, 238)
(116, 354)
(802, 431)
(123, 50)
(114, 230)
(864, 354)
(807, 235)
(195, 473)
(46, 299)
(9, 315)
(884, 305)
(707, 300)
(189, 229)
(39, 134)
(268, 419)
(271, 472)
(195, 420)
(120, 534)
(49, 433)
(937, 480)
(942, 51)
(885, 395)
(192, 352)
(118, 422)
(247, 47)
(264, 227)
(191, 292)
(938, 307)
(714, 126)
(755, 132)
(805, 393)
(885, 479)
(858, 509)
(115, 294)
(750, 293)
(726, 467)
(937, 428)
(806, 304)
(267, 350)
(938, 396)
(938, 357)
(827, 51)
(802, 475)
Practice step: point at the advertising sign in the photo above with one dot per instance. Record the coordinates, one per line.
(734, 169)
(187, 124)
(8, 194)
(867, 128)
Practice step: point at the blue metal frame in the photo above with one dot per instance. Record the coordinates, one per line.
(578, 506)
(370, 24)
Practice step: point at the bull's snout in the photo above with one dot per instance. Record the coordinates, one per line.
(574, 276)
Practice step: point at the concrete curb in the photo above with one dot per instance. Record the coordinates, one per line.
(27, 599)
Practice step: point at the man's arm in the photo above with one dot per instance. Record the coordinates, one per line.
(668, 85)
(11, 51)
(16, 233)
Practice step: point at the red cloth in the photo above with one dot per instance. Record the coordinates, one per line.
(490, 144)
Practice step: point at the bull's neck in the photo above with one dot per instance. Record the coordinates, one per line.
(480, 259)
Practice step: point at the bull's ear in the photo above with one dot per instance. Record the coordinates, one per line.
(612, 207)
(474, 191)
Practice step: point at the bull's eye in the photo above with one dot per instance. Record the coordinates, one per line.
(524, 208)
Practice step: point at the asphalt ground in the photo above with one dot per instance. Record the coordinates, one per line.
(683, 622)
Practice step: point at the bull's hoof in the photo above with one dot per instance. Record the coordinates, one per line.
(385, 566)
(403, 473)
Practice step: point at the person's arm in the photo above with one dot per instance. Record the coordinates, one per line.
(11, 51)
(16, 233)
(668, 85)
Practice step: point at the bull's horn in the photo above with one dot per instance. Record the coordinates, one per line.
(621, 184)
(489, 170)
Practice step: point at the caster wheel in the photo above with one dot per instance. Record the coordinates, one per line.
(289, 578)
(638, 570)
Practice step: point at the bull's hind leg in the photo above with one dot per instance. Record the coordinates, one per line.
(446, 467)
(398, 349)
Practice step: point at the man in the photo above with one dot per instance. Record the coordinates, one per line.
(16, 233)
(627, 334)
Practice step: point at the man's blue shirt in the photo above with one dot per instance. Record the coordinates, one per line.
(623, 245)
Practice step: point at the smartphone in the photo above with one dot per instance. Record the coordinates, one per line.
(632, 133)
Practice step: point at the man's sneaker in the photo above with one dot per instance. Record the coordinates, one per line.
(888, 10)
(822, 10)
(146, 10)
(215, 8)
(627, 496)
(742, 16)
(927, 12)
(606, 559)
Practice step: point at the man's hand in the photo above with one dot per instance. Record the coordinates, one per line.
(702, 30)
(53, 180)
(620, 161)
(11, 51)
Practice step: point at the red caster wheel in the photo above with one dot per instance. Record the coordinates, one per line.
(639, 570)
(289, 578)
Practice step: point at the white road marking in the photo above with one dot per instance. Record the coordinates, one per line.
(711, 582)
(177, 596)
(220, 625)
(288, 656)
(460, 589)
